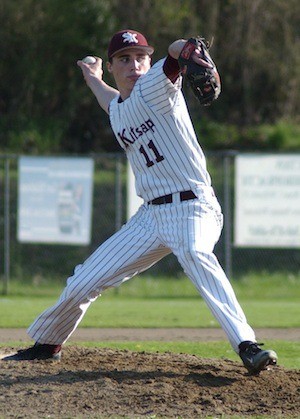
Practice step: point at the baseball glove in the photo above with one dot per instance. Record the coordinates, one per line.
(200, 71)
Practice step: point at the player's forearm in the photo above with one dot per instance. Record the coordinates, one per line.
(176, 47)
(93, 73)
(103, 93)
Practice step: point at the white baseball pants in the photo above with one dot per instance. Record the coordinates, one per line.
(189, 229)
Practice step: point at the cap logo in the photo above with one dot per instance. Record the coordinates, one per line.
(130, 37)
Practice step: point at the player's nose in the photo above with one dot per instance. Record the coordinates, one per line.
(135, 64)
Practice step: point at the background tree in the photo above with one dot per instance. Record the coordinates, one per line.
(46, 108)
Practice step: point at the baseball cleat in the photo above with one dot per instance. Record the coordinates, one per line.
(38, 351)
(256, 359)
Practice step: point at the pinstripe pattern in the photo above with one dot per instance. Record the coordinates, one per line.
(155, 98)
(191, 232)
(130, 251)
(155, 130)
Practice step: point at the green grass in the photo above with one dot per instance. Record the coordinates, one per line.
(268, 301)
(251, 286)
(142, 312)
(161, 302)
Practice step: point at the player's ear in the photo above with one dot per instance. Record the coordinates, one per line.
(108, 66)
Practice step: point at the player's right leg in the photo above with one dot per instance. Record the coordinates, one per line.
(129, 251)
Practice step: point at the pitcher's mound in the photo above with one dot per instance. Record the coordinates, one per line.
(106, 382)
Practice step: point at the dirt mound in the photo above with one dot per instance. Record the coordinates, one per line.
(105, 383)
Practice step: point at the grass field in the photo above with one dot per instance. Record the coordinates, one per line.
(271, 301)
(268, 301)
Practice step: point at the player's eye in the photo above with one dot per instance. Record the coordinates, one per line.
(141, 58)
(124, 59)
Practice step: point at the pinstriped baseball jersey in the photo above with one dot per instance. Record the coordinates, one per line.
(155, 130)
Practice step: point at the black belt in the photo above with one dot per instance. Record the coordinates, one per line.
(168, 199)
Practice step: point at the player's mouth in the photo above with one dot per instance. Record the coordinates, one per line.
(134, 77)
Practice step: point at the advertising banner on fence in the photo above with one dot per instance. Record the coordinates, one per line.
(267, 200)
(55, 200)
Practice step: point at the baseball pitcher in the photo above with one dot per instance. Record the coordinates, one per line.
(180, 213)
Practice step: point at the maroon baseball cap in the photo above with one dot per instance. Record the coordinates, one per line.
(128, 38)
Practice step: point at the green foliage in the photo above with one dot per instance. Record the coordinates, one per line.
(40, 82)
(256, 47)
(280, 136)
(36, 137)
(284, 136)
(214, 135)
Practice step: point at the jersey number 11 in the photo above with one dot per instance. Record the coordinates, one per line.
(158, 156)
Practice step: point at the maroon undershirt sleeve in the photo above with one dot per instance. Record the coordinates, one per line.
(171, 68)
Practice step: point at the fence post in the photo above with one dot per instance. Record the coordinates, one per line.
(227, 215)
(119, 207)
(6, 226)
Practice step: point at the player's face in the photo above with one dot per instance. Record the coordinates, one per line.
(126, 67)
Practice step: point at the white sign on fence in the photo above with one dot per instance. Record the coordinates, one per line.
(55, 200)
(267, 200)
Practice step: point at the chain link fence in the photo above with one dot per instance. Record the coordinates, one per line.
(31, 261)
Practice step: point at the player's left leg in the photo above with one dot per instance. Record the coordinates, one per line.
(196, 227)
(193, 237)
